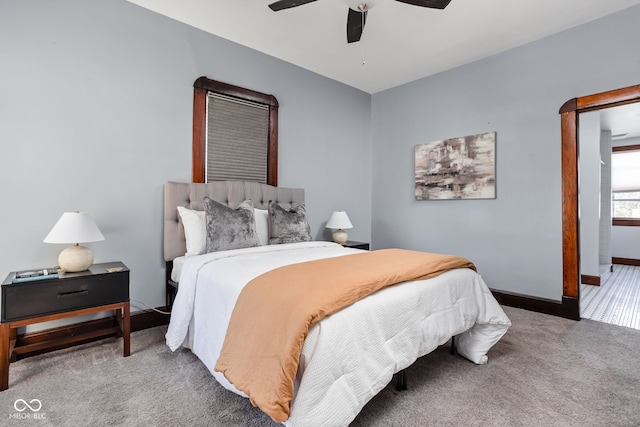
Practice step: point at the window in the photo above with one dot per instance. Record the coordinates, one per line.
(625, 184)
(626, 204)
(235, 133)
(237, 138)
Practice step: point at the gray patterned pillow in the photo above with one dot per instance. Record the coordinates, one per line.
(230, 228)
(288, 226)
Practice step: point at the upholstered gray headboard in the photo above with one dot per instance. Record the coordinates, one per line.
(232, 193)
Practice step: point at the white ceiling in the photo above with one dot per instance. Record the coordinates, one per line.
(401, 42)
(623, 121)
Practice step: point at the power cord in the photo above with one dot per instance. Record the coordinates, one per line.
(154, 309)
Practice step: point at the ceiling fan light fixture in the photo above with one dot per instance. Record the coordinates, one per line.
(361, 6)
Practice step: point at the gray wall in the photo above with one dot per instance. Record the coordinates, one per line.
(515, 240)
(95, 115)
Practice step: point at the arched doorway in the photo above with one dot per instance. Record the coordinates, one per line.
(570, 191)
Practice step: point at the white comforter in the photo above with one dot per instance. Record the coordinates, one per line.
(351, 355)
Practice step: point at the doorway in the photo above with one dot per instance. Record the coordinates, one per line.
(570, 190)
(609, 159)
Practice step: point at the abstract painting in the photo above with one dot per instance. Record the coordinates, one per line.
(456, 168)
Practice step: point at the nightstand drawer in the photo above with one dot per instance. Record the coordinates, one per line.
(356, 245)
(46, 297)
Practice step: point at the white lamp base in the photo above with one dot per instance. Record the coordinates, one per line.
(340, 236)
(75, 258)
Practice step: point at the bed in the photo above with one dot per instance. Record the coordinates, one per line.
(347, 357)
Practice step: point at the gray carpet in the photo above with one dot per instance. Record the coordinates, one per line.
(545, 371)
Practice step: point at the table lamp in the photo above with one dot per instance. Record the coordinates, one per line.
(74, 227)
(339, 221)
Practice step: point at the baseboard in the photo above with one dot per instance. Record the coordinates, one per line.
(626, 261)
(140, 320)
(568, 308)
(590, 280)
(146, 319)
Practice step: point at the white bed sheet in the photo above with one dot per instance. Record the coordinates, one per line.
(176, 271)
(351, 355)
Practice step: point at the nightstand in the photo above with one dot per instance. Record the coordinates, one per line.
(71, 294)
(356, 245)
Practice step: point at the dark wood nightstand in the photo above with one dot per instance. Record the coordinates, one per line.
(356, 245)
(72, 294)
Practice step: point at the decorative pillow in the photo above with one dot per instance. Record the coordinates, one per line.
(195, 230)
(229, 228)
(262, 225)
(288, 226)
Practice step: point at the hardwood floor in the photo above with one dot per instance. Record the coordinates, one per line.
(616, 301)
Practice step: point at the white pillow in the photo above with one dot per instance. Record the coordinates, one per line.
(262, 225)
(195, 230)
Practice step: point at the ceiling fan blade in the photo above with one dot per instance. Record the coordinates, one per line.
(286, 4)
(434, 4)
(355, 25)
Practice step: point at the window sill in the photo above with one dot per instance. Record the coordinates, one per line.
(629, 222)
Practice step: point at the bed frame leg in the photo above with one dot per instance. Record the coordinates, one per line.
(401, 377)
(401, 380)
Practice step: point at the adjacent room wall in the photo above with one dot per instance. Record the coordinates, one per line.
(589, 205)
(605, 198)
(95, 115)
(515, 240)
(625, 242)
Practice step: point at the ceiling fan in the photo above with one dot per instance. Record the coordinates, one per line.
(357, 15)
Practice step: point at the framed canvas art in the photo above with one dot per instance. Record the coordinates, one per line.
(456, 168)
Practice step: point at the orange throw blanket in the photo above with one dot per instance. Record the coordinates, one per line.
(275, 311)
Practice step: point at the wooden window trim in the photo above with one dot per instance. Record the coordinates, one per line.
(201, 87)
(626, 222)
(626, 148)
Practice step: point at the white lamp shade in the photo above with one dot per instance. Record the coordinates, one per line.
(339, 220)
(74, 227)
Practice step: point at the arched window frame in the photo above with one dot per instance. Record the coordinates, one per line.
(202, 86)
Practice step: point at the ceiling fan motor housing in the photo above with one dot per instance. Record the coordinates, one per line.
(360, 5)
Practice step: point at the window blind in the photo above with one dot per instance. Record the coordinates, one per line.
(237, 139)
(625, 171)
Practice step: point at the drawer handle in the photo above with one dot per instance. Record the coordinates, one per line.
(66, 294)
